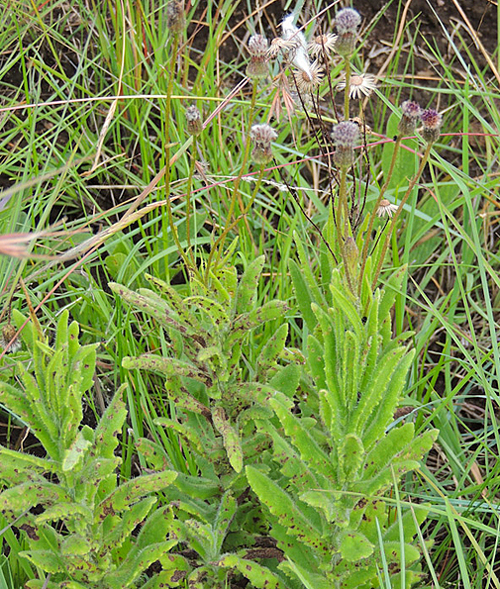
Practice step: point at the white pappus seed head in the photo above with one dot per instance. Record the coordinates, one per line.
(298, 45)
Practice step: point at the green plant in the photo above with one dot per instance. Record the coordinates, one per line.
(326, 506)
(206, 375)
(81, 524)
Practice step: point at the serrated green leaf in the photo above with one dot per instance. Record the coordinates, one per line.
(351, 455)
(311, 453)
(64, 512)
(211, 309)
(272, 349)
(168, 366)
(22, 497)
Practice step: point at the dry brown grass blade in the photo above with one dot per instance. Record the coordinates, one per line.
(477, 41)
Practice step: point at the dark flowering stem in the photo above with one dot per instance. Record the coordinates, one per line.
(364, 254)
(400, 209)
(219, 244)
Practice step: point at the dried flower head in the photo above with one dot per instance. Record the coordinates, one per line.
(9, 332)
(359, 85)
(411, 112)
(262, 136)
(347, 22)
(431, 121)
(308, 82)
(386, 207)
(193, 118)
(258, 46)
(345, 135)
(279, 46)
(176, 17)
(322, 46)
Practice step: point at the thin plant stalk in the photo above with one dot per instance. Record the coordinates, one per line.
(216, 250)
(364, 254)
(400, 208)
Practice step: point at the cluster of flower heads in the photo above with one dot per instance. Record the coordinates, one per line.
(309, 58)
(412, 113)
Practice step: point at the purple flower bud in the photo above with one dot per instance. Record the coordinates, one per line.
(431, 121)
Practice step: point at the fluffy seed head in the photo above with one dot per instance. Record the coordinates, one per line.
(193, 118)
(176, 18)
(347, 21)
(431, 121)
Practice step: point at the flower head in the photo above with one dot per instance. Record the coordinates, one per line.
(411, 112)
(262, 136)
(322, 46)
(308, 82)
(258, 48)
(364, 84)
(176, 18)
(431, 121)
(386, 207)
(193, 118)
(347, 22)
(279, 46)
(345, 135)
